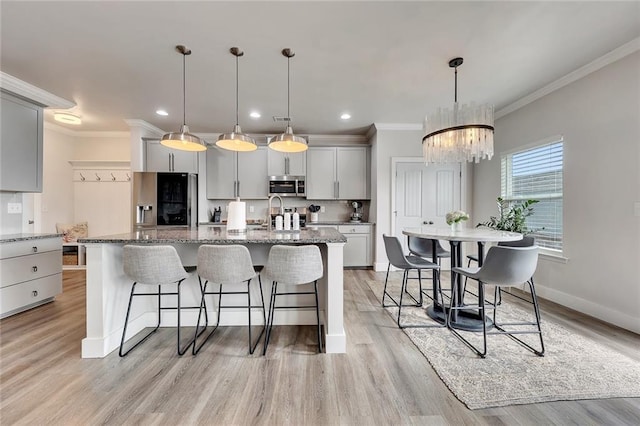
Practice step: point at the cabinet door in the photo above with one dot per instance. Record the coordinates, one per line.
(280, 163)
(352, 173)
(20, 145)
(321, 172)
(159, 158)
(221, 174)
(356, 250)
(252, 173)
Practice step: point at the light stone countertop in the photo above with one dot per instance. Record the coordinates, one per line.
(218, 235)
(12, 238)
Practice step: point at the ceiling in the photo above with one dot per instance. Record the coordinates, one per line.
(382, 62)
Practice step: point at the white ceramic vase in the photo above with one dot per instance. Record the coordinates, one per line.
(456, 226)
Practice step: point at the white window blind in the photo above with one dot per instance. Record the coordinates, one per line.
(536, 173)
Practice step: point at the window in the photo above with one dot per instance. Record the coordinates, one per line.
(536, 173)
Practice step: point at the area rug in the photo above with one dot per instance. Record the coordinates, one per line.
(573, 367)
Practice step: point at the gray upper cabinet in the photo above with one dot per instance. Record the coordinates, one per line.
(236, 174)
(337, 173)
(20, 144)
(159, 158)
(290, 164)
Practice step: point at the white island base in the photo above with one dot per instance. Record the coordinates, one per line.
(108, 288)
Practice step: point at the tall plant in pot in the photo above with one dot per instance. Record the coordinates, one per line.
(512, 217)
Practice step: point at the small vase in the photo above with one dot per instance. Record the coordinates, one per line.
(456, 226)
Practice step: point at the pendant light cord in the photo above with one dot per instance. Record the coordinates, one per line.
(237, 119)
(288, 89)
(455, 87)
(184, 91)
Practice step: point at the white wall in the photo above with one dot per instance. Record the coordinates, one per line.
(599, 117)
(109, 146)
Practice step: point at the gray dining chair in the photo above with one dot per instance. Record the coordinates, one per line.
(154, 265)
(423, 247)
(293, 266)
(503, 266)
(227, 266)
(398, 260)
(526, 241)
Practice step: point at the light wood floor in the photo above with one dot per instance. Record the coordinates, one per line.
(382, 379)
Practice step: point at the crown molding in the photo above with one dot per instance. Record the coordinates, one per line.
(134, 122)
(398, 126)
(609, 58)
(33, 93)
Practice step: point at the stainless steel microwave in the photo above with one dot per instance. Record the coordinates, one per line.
(287, 186)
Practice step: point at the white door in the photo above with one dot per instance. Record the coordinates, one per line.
(424, 195)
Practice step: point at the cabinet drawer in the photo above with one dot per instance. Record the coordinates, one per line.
(22, 248)
(30, 292)
(26, 268)
(354, 229)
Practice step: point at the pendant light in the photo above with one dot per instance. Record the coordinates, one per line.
(236, 140)
(464, 133)
(287, 141)
(183, 140)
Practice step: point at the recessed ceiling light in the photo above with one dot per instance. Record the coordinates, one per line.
(255, 114)
(162, 112)
(67, 118)
(345, 116)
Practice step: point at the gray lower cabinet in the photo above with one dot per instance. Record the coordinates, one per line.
(20, 144)
(31, 273)
(358, 249)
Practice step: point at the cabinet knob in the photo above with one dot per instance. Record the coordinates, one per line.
(34, 293)
(35, 249)
(34, 269)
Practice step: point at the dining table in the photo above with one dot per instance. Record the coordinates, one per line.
(463, 319)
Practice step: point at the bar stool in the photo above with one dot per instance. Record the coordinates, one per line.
(293, 266)
(226, 265)
(153, 265)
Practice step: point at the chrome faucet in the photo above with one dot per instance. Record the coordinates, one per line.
(269, 210)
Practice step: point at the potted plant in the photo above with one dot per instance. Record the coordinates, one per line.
(512, 217)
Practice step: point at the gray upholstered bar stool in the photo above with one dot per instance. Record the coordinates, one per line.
(423, 247)
(154, 265)
(226, 265)
(293, 266)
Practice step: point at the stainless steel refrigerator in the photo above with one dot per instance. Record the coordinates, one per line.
(165, 199)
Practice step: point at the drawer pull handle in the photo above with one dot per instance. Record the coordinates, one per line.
(34, 293)
(35, 249)
(34, 269)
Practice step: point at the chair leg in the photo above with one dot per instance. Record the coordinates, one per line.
(481, 309)
(385, 293)
(272, 301)
(126, 323)
(181, 351)
(252, 347)
(203, 306)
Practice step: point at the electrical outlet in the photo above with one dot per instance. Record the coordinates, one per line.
(14, 208)
(321, 209)
(251, 209)
(226, 208)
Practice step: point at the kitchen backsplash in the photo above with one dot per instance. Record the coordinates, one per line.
(334, 210)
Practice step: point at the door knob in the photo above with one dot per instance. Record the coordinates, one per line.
(430, 222)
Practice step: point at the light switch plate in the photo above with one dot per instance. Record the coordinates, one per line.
(14, 208)
(321, 209)
(251, 209)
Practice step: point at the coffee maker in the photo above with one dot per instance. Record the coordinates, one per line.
(356, 216)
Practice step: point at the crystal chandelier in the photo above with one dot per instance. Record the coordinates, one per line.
(464, 133)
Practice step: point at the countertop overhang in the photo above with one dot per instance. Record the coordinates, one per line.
(218, 235)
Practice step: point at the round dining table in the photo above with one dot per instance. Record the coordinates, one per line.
(461, 319)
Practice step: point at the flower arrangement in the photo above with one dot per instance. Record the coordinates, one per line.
(456, 217)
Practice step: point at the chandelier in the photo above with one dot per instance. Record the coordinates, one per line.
(464, 133)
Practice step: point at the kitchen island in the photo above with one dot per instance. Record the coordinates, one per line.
(108, 288)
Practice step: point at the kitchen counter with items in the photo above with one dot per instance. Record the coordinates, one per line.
(107, 286)
(31, 266)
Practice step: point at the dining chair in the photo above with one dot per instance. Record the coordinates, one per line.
(398, 260)
(227, 266)
(154, 265)
(293, 266)
(503, 266)
(526, 241)
(423, 247)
